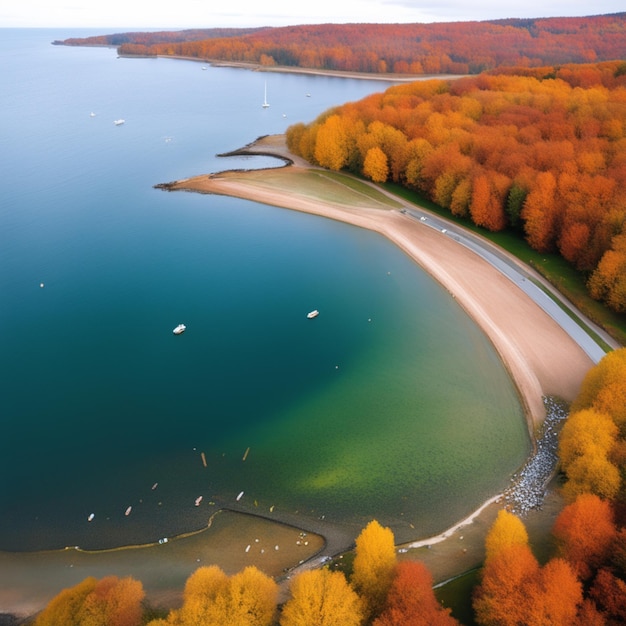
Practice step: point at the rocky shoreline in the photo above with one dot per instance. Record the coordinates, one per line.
(529, 485)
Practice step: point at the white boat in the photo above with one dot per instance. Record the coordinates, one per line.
(118, 122)
(265, 102)
(198, 500)
(91, 516)
(92, 114)
(180, 329)
(313, 314)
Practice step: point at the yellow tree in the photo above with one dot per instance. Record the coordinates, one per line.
(586, 444)
(374, 566)
(417, 152)
(461, 198)
(375, 165)
(64, 608)
(592, 473)
(250, 599)
(331, 146)
(507, 530)
(583, 430)
(322, 598)
(604, 387)
(202, 590)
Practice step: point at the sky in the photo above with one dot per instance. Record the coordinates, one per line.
(122, 15)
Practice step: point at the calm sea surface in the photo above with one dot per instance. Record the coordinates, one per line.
(390, 405)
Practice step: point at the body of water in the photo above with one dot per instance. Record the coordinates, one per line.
(390, 405)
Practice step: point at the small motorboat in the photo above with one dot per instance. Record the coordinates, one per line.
(118, 122)
(313, 314)
(180, 329)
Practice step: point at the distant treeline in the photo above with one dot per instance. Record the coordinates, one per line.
(539, 151)
(448, 48)
(149, 38)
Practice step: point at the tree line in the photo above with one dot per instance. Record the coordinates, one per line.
(440, 48)
(539, 151)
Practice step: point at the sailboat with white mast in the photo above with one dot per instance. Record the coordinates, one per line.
(265, 102)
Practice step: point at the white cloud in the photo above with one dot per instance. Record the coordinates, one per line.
(132, 14)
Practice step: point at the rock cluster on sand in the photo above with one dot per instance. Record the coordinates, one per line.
(528, 486)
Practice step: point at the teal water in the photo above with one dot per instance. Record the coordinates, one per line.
(390, 405)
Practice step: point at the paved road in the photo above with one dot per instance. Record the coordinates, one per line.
(581, 329)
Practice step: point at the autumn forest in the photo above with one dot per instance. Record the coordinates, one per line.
(541, 151)
(451, 48)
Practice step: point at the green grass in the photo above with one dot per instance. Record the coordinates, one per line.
(456, 595)
(332, 187)
(554, 268)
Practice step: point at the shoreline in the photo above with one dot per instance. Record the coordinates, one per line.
(287, 69)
